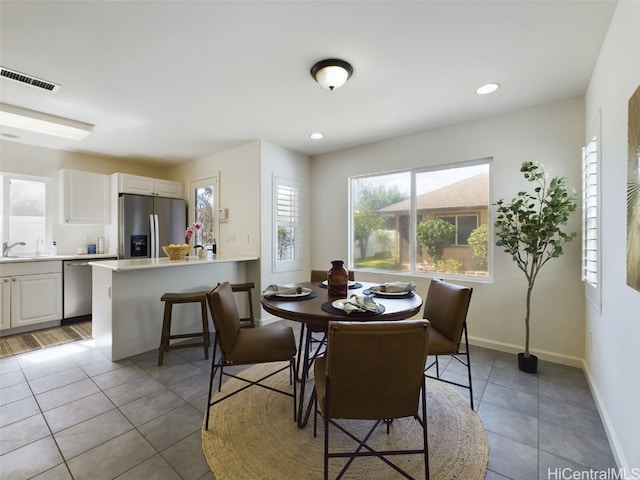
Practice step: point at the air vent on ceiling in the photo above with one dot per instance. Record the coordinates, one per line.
(28, 79)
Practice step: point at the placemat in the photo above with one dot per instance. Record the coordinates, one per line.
(292, 299)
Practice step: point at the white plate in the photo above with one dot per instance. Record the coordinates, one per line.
(390, 294)
(304, 293)
(350, 283)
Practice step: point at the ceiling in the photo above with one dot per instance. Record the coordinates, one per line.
(170, 81)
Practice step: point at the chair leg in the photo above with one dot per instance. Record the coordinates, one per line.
(466, 341)
(424, 429)
(205, 328)
(326, 443)
(211, 375)
(314, 399)
(166, 332)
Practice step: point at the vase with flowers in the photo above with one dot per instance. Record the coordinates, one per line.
(190, 231)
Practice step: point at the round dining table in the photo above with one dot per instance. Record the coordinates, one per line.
(314, 311)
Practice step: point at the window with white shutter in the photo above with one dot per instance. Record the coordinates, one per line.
(287, 227)
(591, 218)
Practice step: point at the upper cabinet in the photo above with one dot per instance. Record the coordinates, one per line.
(84, 197)
(148, 186)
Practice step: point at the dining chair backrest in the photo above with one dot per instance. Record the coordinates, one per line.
(446, 308)
(374, 370)
(321, 275)
(226, 317)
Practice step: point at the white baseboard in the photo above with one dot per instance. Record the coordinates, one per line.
(616, 449)
(541, 354)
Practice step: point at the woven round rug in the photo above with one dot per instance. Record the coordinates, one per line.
(252, 436)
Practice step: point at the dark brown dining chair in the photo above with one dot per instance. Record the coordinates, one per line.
(245, 346)
(446, 308)
(372, 371)
(321, 275)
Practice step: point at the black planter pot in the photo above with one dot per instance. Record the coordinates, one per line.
(528, 365)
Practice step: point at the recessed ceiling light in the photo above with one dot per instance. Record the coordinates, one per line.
(488, 88)
(316, 136)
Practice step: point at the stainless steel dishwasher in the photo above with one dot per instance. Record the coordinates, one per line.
(77, 289)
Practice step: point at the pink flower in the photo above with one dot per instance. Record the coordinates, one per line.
(192, 229)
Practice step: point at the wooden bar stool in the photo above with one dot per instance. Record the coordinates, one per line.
(169, 300)
(246, 322)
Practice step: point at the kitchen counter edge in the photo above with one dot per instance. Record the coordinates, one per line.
(147, 263)
(57, 258)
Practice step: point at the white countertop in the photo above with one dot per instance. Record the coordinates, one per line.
(51, 258)
(146, 263)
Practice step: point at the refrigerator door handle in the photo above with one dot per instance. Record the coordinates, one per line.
(157, 235)
(152, 227)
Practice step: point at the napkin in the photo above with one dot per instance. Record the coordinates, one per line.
(395, 287)
(360, 303)
(280, 290)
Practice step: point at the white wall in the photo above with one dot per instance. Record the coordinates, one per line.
(28, 160)
(239, 184)
(551, 134)
(611, 361)
(246, 189)
(281, 162)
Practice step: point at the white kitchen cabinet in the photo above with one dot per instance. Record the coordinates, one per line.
(84, 197)
(36, 299)
(148, 186)
(30, 293)
(5, 302)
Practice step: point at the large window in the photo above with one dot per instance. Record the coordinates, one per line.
(422, 221)
(287, 232)
(26, 215)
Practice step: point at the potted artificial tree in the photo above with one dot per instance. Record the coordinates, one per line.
(529, 230)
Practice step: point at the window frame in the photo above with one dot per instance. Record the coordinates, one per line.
(295, 222)
(198, 183)
(456, 216)
(5, 232)
(414, 270)
(592, 215)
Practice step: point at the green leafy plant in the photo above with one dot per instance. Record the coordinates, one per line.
(479, 244)
(285, 240)
(434, 236)
(452, 265)
(529, 228)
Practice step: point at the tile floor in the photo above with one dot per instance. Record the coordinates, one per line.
(68, 413)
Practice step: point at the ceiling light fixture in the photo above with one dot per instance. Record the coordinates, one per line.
(331, 73)
(488, 88)
(23, 119)
(316, 136)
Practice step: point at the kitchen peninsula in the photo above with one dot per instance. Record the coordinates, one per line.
(127, 310)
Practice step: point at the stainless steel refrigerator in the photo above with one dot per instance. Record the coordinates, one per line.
(147, 223)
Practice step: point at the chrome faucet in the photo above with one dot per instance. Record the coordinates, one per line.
(6, 247)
